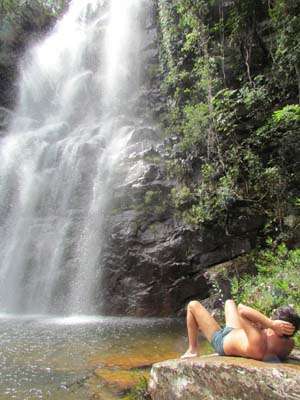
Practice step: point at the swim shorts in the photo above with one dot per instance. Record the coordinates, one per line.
(217, 340)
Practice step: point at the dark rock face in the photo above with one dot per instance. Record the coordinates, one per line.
(20, 27)
(153, 263)
(219, 378)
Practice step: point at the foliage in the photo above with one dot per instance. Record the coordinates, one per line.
(287, 114)
(285, 17)
(20, 17)
(276, 284)
(20, 23)
(154, 202)
(229, 73)
(139, 392)
(196, 120)
(11, 7)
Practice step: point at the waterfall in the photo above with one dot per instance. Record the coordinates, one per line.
(59, 158)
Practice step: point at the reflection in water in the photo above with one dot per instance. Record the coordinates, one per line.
(72, 358)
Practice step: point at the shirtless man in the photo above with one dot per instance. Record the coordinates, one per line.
(248, 333)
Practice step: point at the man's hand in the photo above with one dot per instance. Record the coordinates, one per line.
(282, 327)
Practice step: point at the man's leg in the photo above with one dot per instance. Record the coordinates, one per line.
(231, 315)
(198, 318)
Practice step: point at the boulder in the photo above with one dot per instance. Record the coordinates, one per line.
(219, 276)
(224, 378)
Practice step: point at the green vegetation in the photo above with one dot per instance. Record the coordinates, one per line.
(276, 284)
(231, 74)
(17, 16)
(15, 7)
(20, 23)
(154, 202)
(139, 392)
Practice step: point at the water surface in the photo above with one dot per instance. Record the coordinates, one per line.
(81, 357)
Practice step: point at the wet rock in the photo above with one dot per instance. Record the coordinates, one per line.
(120, 379)
(130, 361)
(154, 264)
(144, 134)
(28, 24)
(149, 45)
(219, 378)
(219, 276)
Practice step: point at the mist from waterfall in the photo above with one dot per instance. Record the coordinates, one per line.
(58, 160)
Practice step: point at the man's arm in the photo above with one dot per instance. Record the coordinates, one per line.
(278, 326)
(254, 316)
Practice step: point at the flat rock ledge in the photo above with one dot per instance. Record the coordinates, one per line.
(224, 378)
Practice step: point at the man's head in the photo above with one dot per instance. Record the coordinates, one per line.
(288, 314)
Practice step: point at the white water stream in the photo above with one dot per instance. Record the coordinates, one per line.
(58, 160)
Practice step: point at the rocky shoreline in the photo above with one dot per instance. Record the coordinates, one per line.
(224, 378)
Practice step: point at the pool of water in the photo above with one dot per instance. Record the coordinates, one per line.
(81, 357)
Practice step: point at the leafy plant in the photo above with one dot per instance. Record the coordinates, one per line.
(232, 108)
(276, 284)
(139, 392)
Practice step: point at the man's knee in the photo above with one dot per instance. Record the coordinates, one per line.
(229, 302)
(194, 304)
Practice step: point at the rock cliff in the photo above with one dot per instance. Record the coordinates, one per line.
(224, 378)
(20, 25)
(153, 263)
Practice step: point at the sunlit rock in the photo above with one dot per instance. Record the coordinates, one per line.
(220, 378)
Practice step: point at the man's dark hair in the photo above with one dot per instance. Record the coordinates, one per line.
(287, 314)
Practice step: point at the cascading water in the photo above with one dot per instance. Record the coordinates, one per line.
(58, 159)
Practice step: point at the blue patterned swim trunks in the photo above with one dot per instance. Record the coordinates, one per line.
(217, 340)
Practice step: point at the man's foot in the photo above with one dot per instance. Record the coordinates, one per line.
(189, 354)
